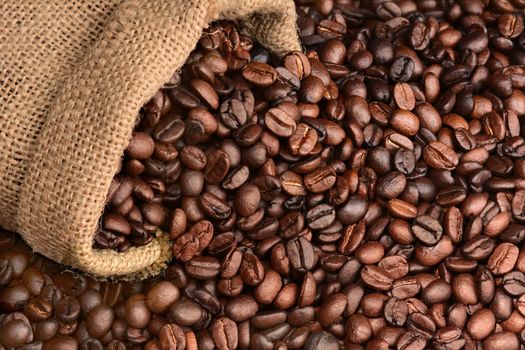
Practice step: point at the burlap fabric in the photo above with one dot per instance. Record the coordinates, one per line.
(73, 75)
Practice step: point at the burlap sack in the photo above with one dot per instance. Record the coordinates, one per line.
(73, 75)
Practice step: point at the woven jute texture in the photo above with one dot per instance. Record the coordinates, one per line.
(73, 76)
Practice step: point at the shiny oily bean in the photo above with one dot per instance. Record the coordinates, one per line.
(241, 308)
(404, 96)
(432, 255)
(407, 287)
(396, 312)
(320, 180)
(396, 266)
(503, 258)
(332, 308)
(440, 156)
(376, 278)
(391, 185)
(427, 229)
(481, 324)
(260, 74)
(370, 252)
(203, 267)
(437, 291)
(404, 122)
(514, 283)
(428, 116)
(401, 209)
(268, 289)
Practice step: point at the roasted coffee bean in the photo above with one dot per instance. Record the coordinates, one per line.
(481, 324)
(193, 157)
(395, 266)
(99, 320)
(449, 337)
(503, 258)
(252, 270)
(376, 278)
(137, 314)
(352, 238)
(225, 333)
(205, 92)
(199, 125)
(264, 229)
(270, 286)
(396, 312)
(320, 180)
(401, 209)
(236, 178)
(404, 96)
(391, 185)
(237, 109)
(370, 252)
(406, 287)
(507, 340)
(332, 309)
(312, 89)
(353, 210)
(260, 74)
(286, 297)
(404, 122)
(427, 229)
(297, 63)
(402, 69)
(241, 308)
(320, 217)
(247, 199)
(303, 140)
(171, 336)
(280, 122)
(440, 156)
(217, 166)
(358, 110)
(15, 333)
(514, 283)
(202, 267)
(186, 312)
(308, 291)
(214, 207)
(67, 309)
(421, 323)
(321, 340)
(300, 252)
(510, 26)
(404, 161)
(248, 135)
(141, 146)
(61, 342)
(437, 291)
(358, 329)
(464, 289)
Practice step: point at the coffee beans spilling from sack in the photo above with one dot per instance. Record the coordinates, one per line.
(73, 78)
(368, 193)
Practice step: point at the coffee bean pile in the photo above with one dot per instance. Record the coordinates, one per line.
(367, 194)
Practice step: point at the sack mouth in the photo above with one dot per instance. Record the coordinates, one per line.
(78, 154)
(90, 117)
(88, 127)
(63, 216)
(156, 257)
